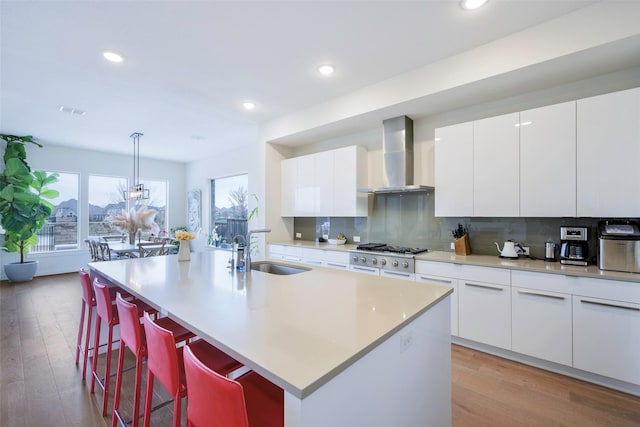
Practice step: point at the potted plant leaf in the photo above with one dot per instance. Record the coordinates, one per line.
(24, 205)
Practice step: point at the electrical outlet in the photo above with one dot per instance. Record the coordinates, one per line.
(525, 250)
(453, 246)
(356, 239)
(298, 235)
(406, 340)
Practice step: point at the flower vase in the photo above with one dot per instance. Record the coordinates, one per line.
(132, 238)
(184, 253)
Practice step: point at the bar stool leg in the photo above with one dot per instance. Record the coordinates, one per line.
(94, 360)
(80, 330)
(107, 374)
(86, 343)
(116, 397)
(148, 396)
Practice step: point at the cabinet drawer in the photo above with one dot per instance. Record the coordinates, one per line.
(365, 270)
(543, 281)
(605, 338)
(337, 257)
(442, 269)
(541, 325)
(484, 313)
(290, 253)
(500, 276)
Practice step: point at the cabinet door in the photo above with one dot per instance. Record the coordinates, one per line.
(606, 338)
(324, 182)
(608, 155)
(445, 281)
(548, 161)
(307, 192)
(496, 166)
(349, 174)
(541, 325)
(454, 170)
(287, 186)
(484, 313)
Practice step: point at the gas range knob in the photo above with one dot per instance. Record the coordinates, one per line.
(356, 258)
(374, 261)
(405, 264)
(383, 261)
(394, 263)
(363, 259)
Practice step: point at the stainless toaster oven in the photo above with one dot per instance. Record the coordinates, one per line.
(619, 246)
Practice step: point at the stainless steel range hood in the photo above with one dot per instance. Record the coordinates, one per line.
(397, 152)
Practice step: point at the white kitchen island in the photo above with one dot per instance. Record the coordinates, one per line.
(348, 349)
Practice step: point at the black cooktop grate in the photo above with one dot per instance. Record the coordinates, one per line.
(383, 247)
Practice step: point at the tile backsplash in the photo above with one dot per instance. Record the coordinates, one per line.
(407, 219)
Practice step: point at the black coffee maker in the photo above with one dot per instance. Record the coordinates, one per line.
(574, 248)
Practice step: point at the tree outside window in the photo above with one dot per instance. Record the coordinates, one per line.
(229, 210)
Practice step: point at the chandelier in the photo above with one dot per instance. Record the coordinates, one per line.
(137, 190)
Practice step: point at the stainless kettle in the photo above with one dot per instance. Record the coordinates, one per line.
(508, 250)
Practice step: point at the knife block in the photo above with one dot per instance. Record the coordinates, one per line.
(462, 246)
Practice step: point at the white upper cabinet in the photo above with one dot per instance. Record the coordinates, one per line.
(288, 172)
(349, 174)
(496, 166)
(608, 155)
(548, 161)
(454, 170)
(325, 184)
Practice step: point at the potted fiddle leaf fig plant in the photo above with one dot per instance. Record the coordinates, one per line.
(24, 205)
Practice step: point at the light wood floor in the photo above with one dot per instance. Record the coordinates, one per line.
(40, 384)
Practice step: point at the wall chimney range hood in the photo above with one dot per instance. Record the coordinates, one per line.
(397, 152)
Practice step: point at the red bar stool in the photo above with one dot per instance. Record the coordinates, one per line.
(88, 303)
(164, 361)
(106, 313)
(216, 400)
(132, 336)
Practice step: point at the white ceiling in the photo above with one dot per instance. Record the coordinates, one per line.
(190, 65)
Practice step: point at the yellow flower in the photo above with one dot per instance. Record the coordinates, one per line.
(184, 235)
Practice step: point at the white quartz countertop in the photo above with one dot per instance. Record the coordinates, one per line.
(495, 261)
(297, 330)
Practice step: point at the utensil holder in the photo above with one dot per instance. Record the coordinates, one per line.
(462, 246)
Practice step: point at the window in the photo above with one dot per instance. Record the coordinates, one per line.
(229, 209)
(61, 230)
(157, 200)
(106, 196)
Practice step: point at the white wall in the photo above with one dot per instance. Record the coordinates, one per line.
(248, 158)
(86, 162)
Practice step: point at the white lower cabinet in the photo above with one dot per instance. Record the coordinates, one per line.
(285, 252)
(606, 338)
(541, 324)
(398, 275)
(366, 270)
(485, 313)
(326, 258)
(445, 281)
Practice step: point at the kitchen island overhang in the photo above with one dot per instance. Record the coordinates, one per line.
(311, 331)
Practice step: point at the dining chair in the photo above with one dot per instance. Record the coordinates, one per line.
(106, 313)
(132, 336)
(164, 361)
(151, 249)
(250, 400)
(105, 251)
(88, 303)
(93, 249)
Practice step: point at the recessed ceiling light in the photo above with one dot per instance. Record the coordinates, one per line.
(326, 70)
(472, 4)
(71, 110)
(112, 56)
(249, 105)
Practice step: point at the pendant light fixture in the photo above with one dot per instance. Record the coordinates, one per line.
(137, 190)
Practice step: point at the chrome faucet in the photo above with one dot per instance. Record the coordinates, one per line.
(247, 255)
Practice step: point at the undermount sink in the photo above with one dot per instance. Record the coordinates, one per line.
(276, 268)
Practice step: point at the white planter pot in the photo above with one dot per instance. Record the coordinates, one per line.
(17, 272)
